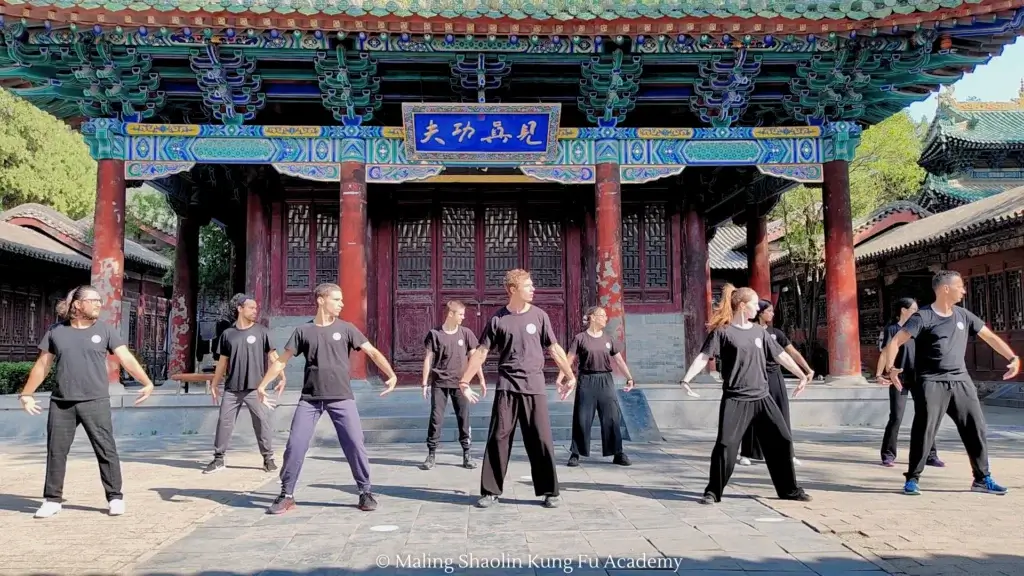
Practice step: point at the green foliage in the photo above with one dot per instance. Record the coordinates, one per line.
(14, 374)
(148, 206)
(43, 161)
(214, 262)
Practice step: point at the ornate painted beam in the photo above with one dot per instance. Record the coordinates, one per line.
(479, 74)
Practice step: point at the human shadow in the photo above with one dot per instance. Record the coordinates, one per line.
(426, 494)
(19, 503)
(440, 462)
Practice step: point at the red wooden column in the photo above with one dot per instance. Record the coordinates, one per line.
(608, 204)
(352, 253)
(840, 275)
(108, 248)
(183, 299)
(696, 282)
(757, 253)
(257, 250)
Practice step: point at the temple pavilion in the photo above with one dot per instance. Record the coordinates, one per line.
(414, 150)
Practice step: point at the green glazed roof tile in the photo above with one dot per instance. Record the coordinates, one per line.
(969, 189)
(550, 9)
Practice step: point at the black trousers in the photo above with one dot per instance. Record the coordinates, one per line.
(777, 390)
(959, 399)
(530, 411)
(438, 404)
(596, 392)
(897, 405)
(734, 417)
(61, 424)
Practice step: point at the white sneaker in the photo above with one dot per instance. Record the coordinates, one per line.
(49, 508)
(796, 462)
(744, 461)
(116, 507)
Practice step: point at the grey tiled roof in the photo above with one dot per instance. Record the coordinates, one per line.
(28, 242)
(977, 217)
(65, 225)
(726, 249)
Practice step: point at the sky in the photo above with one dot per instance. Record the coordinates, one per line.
(997, 81)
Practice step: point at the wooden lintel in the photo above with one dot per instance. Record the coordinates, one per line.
(481, 179)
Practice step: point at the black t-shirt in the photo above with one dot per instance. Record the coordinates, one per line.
(743, 355)
(595, 354)
(451, 355)
(905, 356)
(780, 338)
(326, 349)
(81, 359)
(942, 343)
(246, 351)
(520, 340)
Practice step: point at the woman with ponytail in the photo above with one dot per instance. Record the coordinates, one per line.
(743, 347)
(750, 449)
(78, 346)
(596, 391)
(905, 308)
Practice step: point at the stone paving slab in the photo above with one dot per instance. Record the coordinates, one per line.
(614, 520)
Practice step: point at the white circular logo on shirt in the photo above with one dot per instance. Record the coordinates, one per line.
(531, 328)
(251, 339)
(757, 342)
(461, 342)
(608, 345)
(336, 336)
(775, 337)
(960, 325)
(96, 338)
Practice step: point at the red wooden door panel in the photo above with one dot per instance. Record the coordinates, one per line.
(415, 298)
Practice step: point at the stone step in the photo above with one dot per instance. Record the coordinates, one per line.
(1010, 395)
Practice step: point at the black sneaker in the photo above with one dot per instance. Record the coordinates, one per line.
(428, 463)
(621, 459)
(216, 466)
(574, 461)
(800, 496)
(269, 465)
(367, 503)
(552, 501)
(708, 499)
(487, 501)
(281, 505)
(467, 462)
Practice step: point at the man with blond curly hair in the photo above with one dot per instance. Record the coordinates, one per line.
(520, 332)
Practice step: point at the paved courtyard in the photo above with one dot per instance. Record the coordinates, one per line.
(614, 520)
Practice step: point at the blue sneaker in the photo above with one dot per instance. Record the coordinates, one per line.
(910, 488)
(987, 485)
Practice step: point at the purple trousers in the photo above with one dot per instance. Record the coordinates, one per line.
(345, 416)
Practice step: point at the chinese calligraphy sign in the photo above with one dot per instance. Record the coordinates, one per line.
(505, 133)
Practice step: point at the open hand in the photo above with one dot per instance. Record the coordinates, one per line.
(144, 394)
(689, 391)
(894, 378)
(630, 384)
(214, 395)
(800, 386)
(261, 394)
(30, 405)
(280, 386)
(391, 383)
(470, 395)
(1012, 369)
(426, 391)
(483, 389)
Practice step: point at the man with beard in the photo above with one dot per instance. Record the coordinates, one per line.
(244, 353)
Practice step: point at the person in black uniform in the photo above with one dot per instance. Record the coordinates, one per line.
(596, 391)
(940, 332)
(78, 347)
(750, 449)
(741, 344)
(244, 355)
(448, 349)
(905, 308)
(520, 332)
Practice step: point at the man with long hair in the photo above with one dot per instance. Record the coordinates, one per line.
(79, 346)
(326, 343)
(520, 332)
(243, 355)
(940, 332)
(746, 399)
(448, 349)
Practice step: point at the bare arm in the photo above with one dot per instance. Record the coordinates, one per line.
(38, 373)
(558, 355)
(379, 360)
(570, 358)
(428, 361)
(901, 338)
(132, 365)
(275, 370)
(696, 366)
(788, 363)
(997, 343)
(880, 367)
(621, 363)
(799, 358)
(218, 373)
(475, 365)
